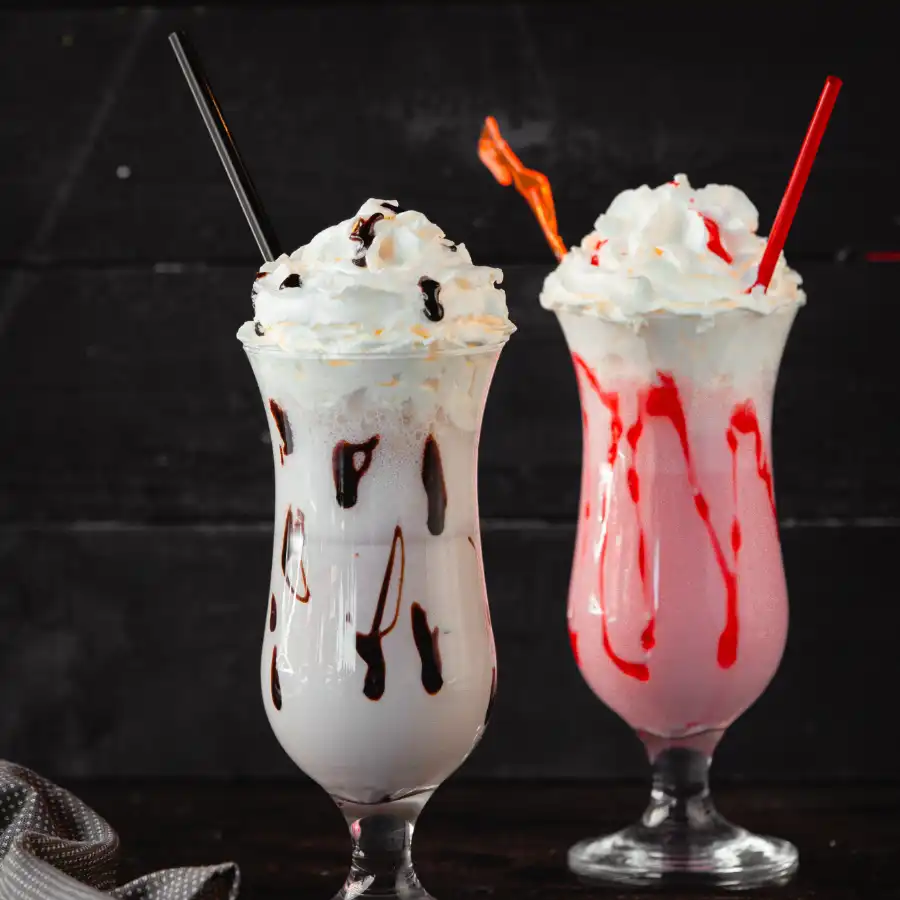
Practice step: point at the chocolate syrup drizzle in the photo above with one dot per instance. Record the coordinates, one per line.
(435, 487)
(290, 525)
(273, 614)
(493, 697)
(292, 281)
(431, 290)
(284, 430)
(363, 233)
(275, 680)
(393, 207)
(346, 474)
(368, 646)
(426, 640)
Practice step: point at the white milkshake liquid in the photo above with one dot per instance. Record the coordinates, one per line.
(376, 548)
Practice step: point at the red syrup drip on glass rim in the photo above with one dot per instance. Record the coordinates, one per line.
(637, 670)
(663, 400)
(573, 640)
(744, 421)
(633, 435)
(586, 478)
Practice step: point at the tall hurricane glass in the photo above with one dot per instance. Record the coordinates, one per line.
(378, 665)
(678, 608)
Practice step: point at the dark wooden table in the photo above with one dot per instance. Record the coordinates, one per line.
(496, 840)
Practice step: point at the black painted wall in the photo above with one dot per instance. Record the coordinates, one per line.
(135, 482)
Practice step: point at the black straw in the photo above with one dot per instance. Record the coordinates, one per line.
(225, 145)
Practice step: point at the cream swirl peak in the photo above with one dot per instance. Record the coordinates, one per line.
(385, 281)
(671, 249)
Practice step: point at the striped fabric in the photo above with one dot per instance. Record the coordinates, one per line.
(54, 847)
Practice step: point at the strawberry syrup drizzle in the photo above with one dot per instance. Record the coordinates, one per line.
(744, 421)
(633, 435)
(715, 238)
(663, 400)
(731, 437)
(573, 639)
(610, 400)
(586, 480)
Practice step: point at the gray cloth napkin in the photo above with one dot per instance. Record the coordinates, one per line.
(54, 847)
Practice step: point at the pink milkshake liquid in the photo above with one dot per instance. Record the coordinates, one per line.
(677, 603)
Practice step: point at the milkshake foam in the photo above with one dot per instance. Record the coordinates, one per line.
(373, 347)
(385, 281)
(671, 249)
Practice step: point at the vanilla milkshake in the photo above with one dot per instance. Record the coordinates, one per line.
(677, 604)
(374, 346)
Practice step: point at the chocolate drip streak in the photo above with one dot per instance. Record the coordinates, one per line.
(431, 291)
(363, 233)
(292, 525)
(275, 680)
(368, 645)
(284, 430)
(347, 475)
(435, 486)
(426, 640)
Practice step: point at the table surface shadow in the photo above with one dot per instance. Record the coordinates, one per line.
(487, 839)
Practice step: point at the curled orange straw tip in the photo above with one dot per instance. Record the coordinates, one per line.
(489, 152)
(507, 168)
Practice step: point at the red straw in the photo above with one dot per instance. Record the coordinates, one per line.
(791, 199)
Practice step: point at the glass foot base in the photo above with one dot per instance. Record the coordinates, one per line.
(363, 885)
(381, 833)
(724, 856)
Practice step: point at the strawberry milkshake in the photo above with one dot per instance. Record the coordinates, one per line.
(678, 608)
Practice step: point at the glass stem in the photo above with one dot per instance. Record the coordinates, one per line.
(680, 799)
(381, 864)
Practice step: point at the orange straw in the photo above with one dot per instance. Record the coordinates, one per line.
(791, 199)
(507, 168)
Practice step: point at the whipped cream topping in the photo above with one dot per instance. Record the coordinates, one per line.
(385, 281)
(671, 249)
